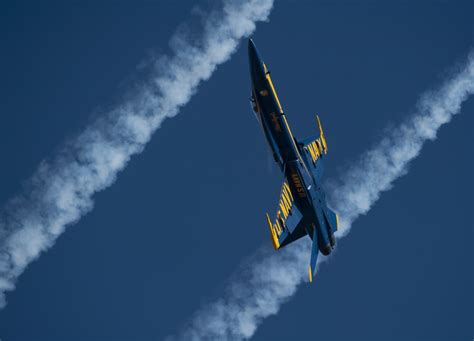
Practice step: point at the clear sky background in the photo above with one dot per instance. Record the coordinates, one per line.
(165, 238)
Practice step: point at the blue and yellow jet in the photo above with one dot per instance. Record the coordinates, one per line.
(302, 208)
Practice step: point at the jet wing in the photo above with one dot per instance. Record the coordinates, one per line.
(315, 148)
(288, 222)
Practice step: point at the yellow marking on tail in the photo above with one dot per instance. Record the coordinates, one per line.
(323, 138)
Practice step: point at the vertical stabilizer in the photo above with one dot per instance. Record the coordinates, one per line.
(314, 256)
(321, 136)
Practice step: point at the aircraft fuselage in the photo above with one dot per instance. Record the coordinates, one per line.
(307, 194)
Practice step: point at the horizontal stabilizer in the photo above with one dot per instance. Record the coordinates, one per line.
(314, 256)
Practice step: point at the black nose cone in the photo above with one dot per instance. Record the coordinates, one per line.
(252, 48)
(255, 62)
(254, 58)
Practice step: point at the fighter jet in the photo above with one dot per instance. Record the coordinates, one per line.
(302, 208)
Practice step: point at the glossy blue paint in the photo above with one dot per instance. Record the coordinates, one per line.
(302, 171)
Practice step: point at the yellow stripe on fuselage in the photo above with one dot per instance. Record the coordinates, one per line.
(274, 93)
(270, 82)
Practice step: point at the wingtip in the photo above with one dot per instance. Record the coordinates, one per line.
(275, 242)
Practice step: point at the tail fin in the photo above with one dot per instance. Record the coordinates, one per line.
(321, 134)
(315, 148)
(314, 256)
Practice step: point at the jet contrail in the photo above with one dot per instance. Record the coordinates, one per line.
(269, 279)
(61, 190)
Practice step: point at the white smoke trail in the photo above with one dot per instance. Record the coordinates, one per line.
(376, 170)
(269, 279)
(61, 191)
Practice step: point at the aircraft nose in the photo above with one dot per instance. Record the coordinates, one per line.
(251, 43)
(252, 49)
(255, 62)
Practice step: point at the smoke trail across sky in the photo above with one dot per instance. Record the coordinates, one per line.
(267, 280)
(61, 190)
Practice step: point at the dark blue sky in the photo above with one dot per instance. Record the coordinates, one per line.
(168, 234)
